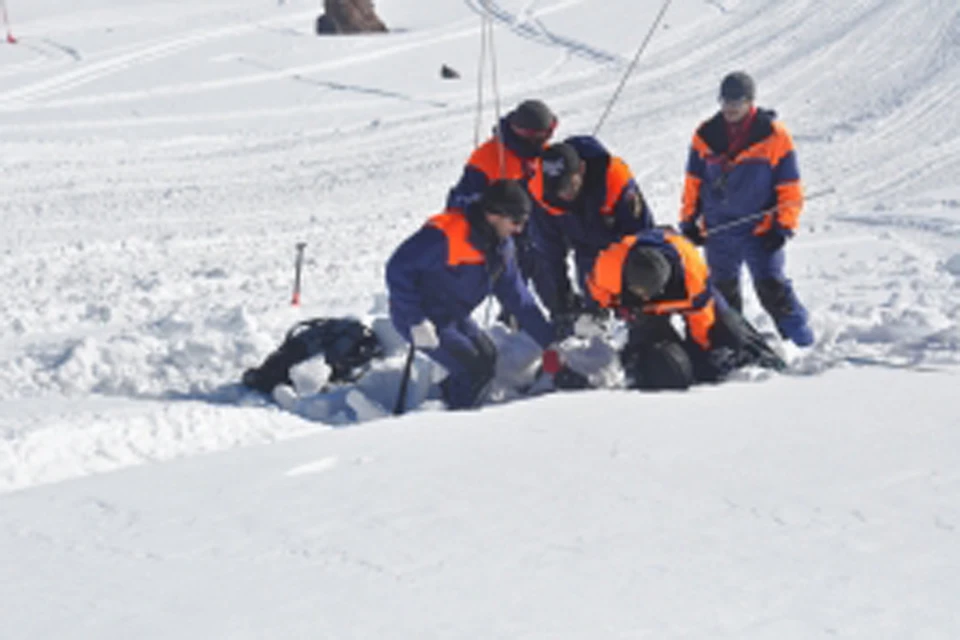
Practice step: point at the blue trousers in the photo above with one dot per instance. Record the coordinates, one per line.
(726, 254)
(470, 357)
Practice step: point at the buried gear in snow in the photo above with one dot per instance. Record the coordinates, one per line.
(347, 346)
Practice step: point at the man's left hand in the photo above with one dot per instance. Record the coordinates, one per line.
(774, 239)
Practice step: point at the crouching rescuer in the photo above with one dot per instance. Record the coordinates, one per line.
(654, 275)
(440, 274)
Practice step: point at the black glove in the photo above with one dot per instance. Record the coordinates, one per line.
(693, 233)
(569, 380)
(774, 239)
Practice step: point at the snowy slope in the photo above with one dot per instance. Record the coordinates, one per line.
(522, 522)
(161, 160)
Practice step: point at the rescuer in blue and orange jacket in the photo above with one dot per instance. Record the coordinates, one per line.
(440, 274)
(742, 164)
(647, 278)
(511, 153)
(590, 199)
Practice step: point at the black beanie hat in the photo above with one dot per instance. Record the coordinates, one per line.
(560, 162)
(506, 198)
(647, 269)
(737, 86)
(533, 115)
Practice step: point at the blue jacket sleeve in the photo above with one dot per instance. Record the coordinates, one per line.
(516, 298)
(424, 251)
(631, 212)
(550, 278)
(468, 190)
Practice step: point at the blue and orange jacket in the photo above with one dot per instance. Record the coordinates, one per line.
(688, 291)
(721, 187)
(514, 159)
(609, 207)
(447, 268)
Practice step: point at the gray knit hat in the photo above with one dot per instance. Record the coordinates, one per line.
(506, 198)
(533, 115)
(738, 86)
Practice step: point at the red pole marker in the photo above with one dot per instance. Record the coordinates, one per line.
(298, 268)
(6, 22)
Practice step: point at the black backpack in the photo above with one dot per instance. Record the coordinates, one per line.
(347, 346)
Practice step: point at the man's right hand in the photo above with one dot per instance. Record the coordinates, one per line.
(424, 335)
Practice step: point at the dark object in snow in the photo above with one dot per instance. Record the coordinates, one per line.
(664, 365)
(349, 16)
(569, 380)
(325, 26)
(347, 346)
(449, 73)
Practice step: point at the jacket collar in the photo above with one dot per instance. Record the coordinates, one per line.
(714, 131)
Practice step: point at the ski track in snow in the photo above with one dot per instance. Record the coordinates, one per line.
(527, 25)
(150, 254)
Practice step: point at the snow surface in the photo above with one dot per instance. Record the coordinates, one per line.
(160, 162)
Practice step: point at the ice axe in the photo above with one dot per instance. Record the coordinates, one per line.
(298, 268)
(712, 231)
(6, 22)
(401, 404)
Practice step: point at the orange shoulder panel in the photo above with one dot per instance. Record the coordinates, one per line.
(605, 281)
(694, 267)
(618, 175)
(772, 148)
(488, 158)
(700, 146)
(455, 226)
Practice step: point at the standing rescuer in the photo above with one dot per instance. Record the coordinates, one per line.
(742, 163)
